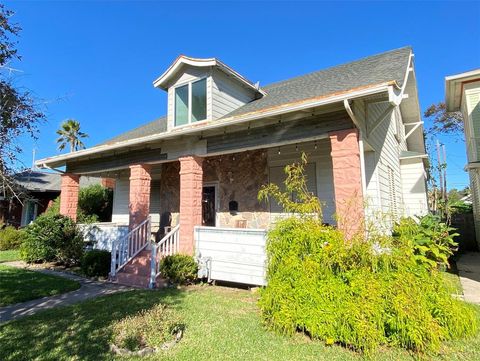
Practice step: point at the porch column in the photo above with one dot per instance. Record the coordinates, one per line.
(69, 195)
(191, 183)
(347, 181)
(139, 199)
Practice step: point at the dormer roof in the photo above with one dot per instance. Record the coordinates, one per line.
(163, 80)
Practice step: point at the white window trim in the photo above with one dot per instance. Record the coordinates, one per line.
(189, 84)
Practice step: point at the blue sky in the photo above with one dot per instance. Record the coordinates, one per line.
(95, 61)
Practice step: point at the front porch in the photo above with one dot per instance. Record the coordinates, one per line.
(221, 191)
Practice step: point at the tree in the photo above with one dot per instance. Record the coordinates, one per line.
(69, 133)
(443, 122)
(19, 111)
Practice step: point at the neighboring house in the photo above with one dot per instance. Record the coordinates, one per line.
(463, 94)
(36, 191)
(195, 173)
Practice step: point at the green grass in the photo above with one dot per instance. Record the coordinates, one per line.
(221, 324)
(19, 285)
(452, 281)
(10, 255)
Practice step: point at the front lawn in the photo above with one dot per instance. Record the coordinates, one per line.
(9, 256)
(19, 285)
(220, 324)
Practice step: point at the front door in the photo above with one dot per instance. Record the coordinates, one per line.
(208, 206)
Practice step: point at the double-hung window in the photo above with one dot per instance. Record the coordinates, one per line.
(191, 102)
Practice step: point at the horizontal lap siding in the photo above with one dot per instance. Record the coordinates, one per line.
(323, 172)
(227, 95)
(385, 156)
(237, 255)
(120, 212)
(414, 191)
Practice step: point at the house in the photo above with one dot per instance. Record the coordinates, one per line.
(36, 191)
(463, 94)
(193, 175)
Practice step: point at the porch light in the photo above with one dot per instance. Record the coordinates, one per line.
(315, 144)
(279, 151)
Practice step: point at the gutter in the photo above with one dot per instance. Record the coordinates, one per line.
(216, 124)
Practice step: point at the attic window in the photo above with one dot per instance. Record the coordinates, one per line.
(191, 102)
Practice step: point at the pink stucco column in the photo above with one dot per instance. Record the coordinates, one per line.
(347, 180)
(69, 195)
(139, 201)
(191, 184)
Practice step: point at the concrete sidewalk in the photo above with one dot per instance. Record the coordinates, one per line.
(88, 289)
(468, 267)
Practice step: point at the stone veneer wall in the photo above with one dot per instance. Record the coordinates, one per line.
(170, 190)
(239, 178)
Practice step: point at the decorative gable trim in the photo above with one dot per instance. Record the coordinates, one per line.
(162, 81)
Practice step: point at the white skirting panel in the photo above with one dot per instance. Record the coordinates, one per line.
(236, 254)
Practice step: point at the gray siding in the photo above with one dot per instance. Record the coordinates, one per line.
(227, 95)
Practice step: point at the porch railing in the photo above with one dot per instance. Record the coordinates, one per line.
(126, 248)
(167, 246)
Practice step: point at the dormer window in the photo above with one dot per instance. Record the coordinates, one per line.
(191, 102)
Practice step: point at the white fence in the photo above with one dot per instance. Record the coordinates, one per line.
(233, 254)
(101, 235)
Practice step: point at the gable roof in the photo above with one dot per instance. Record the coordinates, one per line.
(389, 67)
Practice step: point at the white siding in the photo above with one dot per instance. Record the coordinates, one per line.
(237, 255)
(414, 187)
(227, 95)
(321, 157)
(385, 141)
(121, 192)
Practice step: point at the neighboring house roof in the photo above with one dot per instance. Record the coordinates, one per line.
(454, 87)
(388, 67)
(37, 181)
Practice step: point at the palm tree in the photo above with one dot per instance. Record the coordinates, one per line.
(69, 133)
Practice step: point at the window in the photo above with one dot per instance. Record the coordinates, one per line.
(191, 102)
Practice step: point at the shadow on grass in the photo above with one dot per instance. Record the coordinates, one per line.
(20, 285)
(80, 331)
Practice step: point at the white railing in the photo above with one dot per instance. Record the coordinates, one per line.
(126, 248)
(167, 246)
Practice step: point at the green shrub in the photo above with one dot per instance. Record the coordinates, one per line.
(11, 238)
(432, 241)
(357, 293)
(96, 263)
(95, 200)
(52, 237)
(149, 328)
(179, 268)
(94, 204)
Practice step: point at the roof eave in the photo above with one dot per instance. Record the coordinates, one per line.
(60, 160)
(162, 81)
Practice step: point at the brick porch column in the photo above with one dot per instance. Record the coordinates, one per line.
(139, 200)
(347, 181)
(191, 183)
(69, 195)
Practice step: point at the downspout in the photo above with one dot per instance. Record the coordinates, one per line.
(360, 145)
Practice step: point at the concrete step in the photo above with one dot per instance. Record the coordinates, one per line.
(136, 280)
(137, 269)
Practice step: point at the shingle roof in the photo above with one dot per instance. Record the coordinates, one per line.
(36, 181)
(154, 127)
(372, 70)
